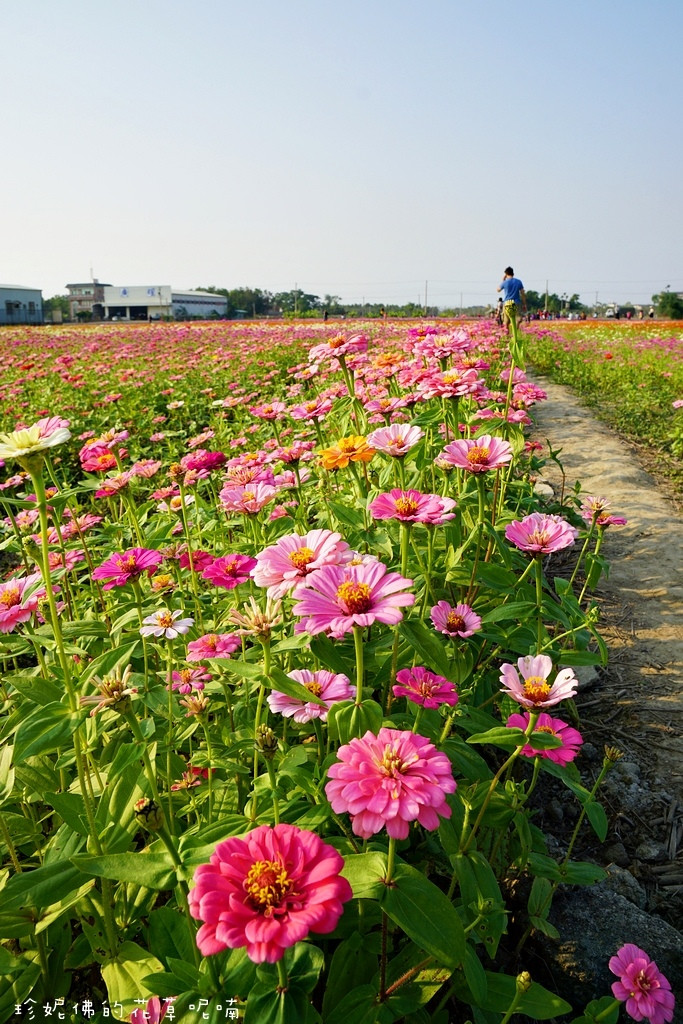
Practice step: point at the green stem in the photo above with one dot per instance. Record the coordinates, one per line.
(533, 718)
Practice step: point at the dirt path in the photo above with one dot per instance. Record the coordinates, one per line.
(638, 705)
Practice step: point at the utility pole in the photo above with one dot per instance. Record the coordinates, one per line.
(425, 298)
(546, 295)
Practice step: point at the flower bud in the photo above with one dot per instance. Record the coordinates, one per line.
(266, 741)
(149, 814)
(523, 982)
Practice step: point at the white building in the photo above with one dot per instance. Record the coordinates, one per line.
(20, 305)
(154, 302)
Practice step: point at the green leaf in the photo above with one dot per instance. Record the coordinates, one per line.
(266, 1005)
(580, 872)
(598, 819)
(6, 772)
(36, 689)
(354, 962)
(347, 720)
(153, 870)
(543, 926)
(425, 642)
(169, 936)
(41, 887)
(425, 914)
(282, 682)
(70, 807)
(365, 872)
(45, 729)
(112, 659)
(359, 1006)
(501, 736)
(515, 611)
(538, 1003)
(540, 897)
(124, 976)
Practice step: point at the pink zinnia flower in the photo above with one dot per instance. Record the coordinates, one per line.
(213, 645)
(229, 570)
(396, 440)
(336, 598)
(412, 507)
(533, 690)
(189, 679)
(571, 738)
(119, 569)
(642, 986)
(455, 621)
(267, 891)
(16, 605)
(540, 534)
(326, 685)
(390, 779)
(201, 560)
(293, 557)
(154, 1011)
(248, 499)
(478, 455)
(424, 688)
(594, 509)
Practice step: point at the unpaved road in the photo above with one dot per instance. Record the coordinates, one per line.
(638, 705)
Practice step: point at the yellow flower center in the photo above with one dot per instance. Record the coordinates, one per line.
(248, 496)
(10, 598)
(348, 444)
(267, 885)
(538, 537)
(165, 619)
(301, 557)
(356, 597)
(126, 563)
(477, 456)
(391, 763)
(536, 688)
(545, 728)
(406, 506)
(314, 687)
(455, 621)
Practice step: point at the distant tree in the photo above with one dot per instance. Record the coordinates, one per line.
(56, 302)
(244, 302)
(669, 304)
(296, 302)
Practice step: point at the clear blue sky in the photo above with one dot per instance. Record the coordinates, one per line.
(355, 147)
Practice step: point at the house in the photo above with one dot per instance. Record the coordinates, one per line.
(20, 305)
(86, 300)
(154, 302)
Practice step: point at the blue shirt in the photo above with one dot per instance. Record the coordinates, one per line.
(511, 288)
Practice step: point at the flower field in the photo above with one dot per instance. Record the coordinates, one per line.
(630, 373)
(288, 646)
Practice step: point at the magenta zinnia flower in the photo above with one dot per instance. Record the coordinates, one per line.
(213, 645)
(390, 779)
(540, 534)
(642, 986)
(292, 558)
(16, 605)
(396, 440)
(336, 598)
(478, 455)
(533, 690)
(424, 688)
(571, 738)
(119, 569)
(267, 891)
(458, 621)
(326, 685)
(229, 570)
(412, 507)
